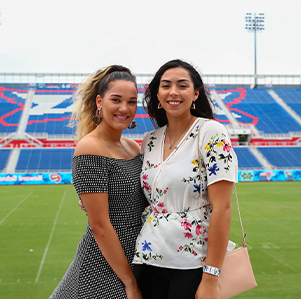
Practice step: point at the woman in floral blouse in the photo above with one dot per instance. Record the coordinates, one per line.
(178, 165)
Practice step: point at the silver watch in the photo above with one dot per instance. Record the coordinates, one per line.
(211, 270)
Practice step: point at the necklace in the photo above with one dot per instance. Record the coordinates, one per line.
(179, 135)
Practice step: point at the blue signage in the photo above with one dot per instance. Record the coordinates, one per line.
(36, 178)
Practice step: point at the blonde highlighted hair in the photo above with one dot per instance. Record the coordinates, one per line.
(85, 97)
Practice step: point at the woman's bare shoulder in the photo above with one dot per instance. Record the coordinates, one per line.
(132, 145)
(90, 145)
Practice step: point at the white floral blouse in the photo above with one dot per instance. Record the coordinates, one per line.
(173, 233)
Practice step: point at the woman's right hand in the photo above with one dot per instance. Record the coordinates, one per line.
(133, 292)
(97, 207)
(81, 205)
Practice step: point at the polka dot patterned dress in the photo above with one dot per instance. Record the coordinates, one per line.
(89, 275)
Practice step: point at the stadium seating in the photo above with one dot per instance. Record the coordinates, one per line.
(282, 157)
(292, 97)
(52, 105)
(230, 97)
(12, 100)
(60, 159)
(258, 108)
(4, 154)
(220, 114)
(246, 159)
(50, 112)
(47, 159)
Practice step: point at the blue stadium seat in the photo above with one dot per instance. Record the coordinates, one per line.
(257, 107)
(282, 157)
(52, 124)
(292, 97)
(12, 100)
(220, 114)
(52, 105)
(4, 154)
(246, 159)
(47, 159)
(51, 112)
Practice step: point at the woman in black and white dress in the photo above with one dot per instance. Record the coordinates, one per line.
(105, 170)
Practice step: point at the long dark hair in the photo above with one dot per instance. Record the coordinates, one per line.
(203, 104)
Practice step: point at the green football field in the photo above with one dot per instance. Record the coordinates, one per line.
(40, 227)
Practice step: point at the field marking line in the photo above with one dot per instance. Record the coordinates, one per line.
(281, 225)
(50, 238)
(270, 255)
(15, 208)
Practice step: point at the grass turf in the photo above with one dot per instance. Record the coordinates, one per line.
(40, 227)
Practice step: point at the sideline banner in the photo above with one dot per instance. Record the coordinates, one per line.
(36, 178)
(269, 175)
(60, 178)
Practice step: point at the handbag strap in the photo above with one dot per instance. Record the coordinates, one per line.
(240, 221)
(201, 198)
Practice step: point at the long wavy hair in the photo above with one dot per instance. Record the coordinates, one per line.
(203, 104)
(85, 97)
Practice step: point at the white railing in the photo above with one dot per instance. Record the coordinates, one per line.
(211, 80)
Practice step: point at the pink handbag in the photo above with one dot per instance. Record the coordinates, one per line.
(236, 274)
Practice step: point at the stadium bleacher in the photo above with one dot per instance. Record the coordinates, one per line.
(220, 114)
(282, 157)
(257, 107)
(51, 111)
(44, 160)
(291, 97)
(51, 106)
(246, 159)
(12, 102)
(4, 154)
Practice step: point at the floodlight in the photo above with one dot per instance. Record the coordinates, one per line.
(254, 23)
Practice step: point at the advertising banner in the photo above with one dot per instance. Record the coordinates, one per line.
(60, 178)
(36, 178)
(269, 175)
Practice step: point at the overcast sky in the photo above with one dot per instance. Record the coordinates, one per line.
(82, 36)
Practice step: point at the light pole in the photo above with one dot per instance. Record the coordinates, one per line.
(255, 23)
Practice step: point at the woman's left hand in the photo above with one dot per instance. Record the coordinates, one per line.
(220, 200)
(208, 288)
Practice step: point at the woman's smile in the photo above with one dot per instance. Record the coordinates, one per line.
(121, 117)
(174, 103)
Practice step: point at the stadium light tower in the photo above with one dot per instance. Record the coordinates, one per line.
(255, 23)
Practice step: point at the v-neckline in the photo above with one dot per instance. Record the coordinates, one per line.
(178, 145)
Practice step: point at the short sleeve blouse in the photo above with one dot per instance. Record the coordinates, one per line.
(173, 231)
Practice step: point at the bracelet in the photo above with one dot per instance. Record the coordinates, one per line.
(212, 270)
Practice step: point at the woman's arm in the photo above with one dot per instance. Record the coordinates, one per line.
(218, 235)
(97, 208)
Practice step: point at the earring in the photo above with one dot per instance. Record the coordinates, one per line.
(133, 125)
(97, 118)
(160, 106)
(192, 106)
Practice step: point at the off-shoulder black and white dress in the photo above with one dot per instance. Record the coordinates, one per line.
(89, 275)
